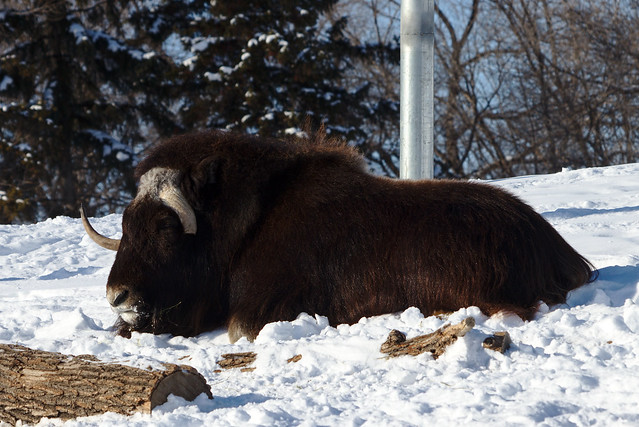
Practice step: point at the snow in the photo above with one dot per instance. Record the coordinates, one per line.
(213, 77)
(226, 70)
(268, 38)
(575, 364)
(5, 83)
(110, 144)
(83, 34)
(202, 43)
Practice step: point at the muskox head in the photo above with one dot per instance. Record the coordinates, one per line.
(157, 281)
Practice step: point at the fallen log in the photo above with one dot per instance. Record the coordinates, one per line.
(435, 343)
(35, 384)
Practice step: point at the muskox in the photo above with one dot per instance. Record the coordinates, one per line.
(238, 231)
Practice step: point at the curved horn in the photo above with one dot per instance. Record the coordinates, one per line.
(173, 198)
(105, 242)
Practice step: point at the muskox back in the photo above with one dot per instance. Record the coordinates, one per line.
(238, 231)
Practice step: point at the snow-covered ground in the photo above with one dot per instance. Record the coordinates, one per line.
(576, 364)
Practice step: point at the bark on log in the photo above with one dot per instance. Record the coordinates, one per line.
(435, 342)
(35, 384)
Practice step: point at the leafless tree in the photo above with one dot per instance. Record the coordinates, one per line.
(522, 86)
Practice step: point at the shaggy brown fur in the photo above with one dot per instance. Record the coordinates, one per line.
(287, 227)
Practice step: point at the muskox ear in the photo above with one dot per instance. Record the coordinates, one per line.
(199, 185)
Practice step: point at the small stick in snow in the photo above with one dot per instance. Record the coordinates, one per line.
(295, 359)
(435, 343)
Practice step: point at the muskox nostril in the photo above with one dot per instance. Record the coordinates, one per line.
(120, 298)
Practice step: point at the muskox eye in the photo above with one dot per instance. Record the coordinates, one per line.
(168, 224)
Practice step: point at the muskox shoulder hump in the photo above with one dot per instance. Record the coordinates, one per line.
(181, 152)
(185, 152)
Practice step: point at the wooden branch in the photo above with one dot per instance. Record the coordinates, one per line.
(238, 360)
(242, 360)
(36, 384)
(435, 343)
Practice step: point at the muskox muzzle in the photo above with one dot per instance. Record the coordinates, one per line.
(124, 304)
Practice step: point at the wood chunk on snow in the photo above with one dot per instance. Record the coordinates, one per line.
(500, 342)
(237, 360)
(435, 343)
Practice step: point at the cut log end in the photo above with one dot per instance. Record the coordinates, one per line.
(182, 381)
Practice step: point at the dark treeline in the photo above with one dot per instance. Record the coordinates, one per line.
(87, 85)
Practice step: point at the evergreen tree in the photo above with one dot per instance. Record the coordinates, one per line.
(267, 67)
(85, 85)
(82, 90)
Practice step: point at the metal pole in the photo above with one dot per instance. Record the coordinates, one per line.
(416, 93)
